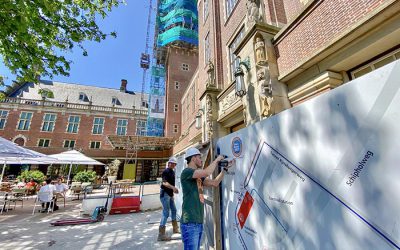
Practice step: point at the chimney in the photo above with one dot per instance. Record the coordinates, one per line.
(123, 85)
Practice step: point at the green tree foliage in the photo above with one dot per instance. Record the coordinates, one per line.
(34, 32)
(85, 176)
(36, 175)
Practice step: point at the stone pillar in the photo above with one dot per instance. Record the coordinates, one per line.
(266, 96)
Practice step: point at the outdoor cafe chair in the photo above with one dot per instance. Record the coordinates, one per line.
(6, 199)
(44, 197)
(76, 190)
(61, 196)
(3, 202)
(18, 194)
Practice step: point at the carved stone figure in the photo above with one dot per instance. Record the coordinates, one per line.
(266, 97)
(253, 12)
(259, 47)
(264, 80)
(266, 105)
(209, 116)
(210, 75)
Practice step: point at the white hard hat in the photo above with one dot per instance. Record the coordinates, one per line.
(191, 152)
(172, 160)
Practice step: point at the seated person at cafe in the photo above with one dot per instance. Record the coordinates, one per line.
(61, 187)
(21, 183)
(31, 186)
(48, 187)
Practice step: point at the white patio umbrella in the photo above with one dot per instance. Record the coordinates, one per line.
(11, 153)
(74, 157)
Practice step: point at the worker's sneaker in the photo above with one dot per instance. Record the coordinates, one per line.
(175, 227)
(162, 236)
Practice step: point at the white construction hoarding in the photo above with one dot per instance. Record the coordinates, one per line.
(321, 175)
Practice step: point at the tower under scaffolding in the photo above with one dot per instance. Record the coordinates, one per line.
(176, 25)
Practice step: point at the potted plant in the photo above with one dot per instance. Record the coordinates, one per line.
(85, 176)
(36, 175)
(112, 170)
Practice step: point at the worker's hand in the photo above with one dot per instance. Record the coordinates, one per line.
(176, 190)
(220, 158)
(231, 163)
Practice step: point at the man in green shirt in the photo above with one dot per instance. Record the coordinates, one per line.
(193, 178)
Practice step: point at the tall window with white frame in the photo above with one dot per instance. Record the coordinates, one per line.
(234, 60)
(187, 106)
(98, 125)
(3, 118)
(44, 143)
(141, 127)
(69, 143)
(205, 10)
(24, 122)
(122, 125)
(230, 4)
(183, 110)
(207, 50)
(73, 124)
(48, 122)
(193, 98)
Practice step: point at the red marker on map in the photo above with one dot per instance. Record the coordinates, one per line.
(244, 209)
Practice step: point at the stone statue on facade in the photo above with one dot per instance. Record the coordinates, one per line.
(210, 75)
(266, 98)
(259, 48)
(253, 12)
(209, 116)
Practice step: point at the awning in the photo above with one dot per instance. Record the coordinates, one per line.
(11, 153)
(74, 157)
(141, 142)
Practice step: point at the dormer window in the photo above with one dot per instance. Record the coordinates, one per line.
(83, 97)
(115, 101)
(145, 104)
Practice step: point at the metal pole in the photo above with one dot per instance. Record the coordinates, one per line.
(69, 173)
(2, 172)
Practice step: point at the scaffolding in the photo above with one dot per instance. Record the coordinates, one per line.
(176, 24)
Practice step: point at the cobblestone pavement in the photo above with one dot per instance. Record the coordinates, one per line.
(19, 230)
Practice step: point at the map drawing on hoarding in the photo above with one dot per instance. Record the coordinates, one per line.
(322, 175)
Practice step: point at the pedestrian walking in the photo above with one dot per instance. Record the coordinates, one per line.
(193, 178)
(167, 200)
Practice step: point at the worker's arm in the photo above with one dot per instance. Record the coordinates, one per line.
(214, 183)
(166, 184)
(200, 173)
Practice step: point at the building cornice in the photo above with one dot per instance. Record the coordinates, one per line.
(50, 106)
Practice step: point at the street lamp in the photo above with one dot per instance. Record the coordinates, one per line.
(198, 118)
(240, 87)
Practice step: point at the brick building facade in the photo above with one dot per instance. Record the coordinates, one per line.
(310, 47)
(290, 51)
(181, 63)
(77, 117)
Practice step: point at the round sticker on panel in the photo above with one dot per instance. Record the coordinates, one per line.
(236, 146)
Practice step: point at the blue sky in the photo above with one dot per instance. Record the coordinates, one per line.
(114, 58)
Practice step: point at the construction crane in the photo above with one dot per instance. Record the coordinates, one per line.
(145, 57)
(132, 147)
